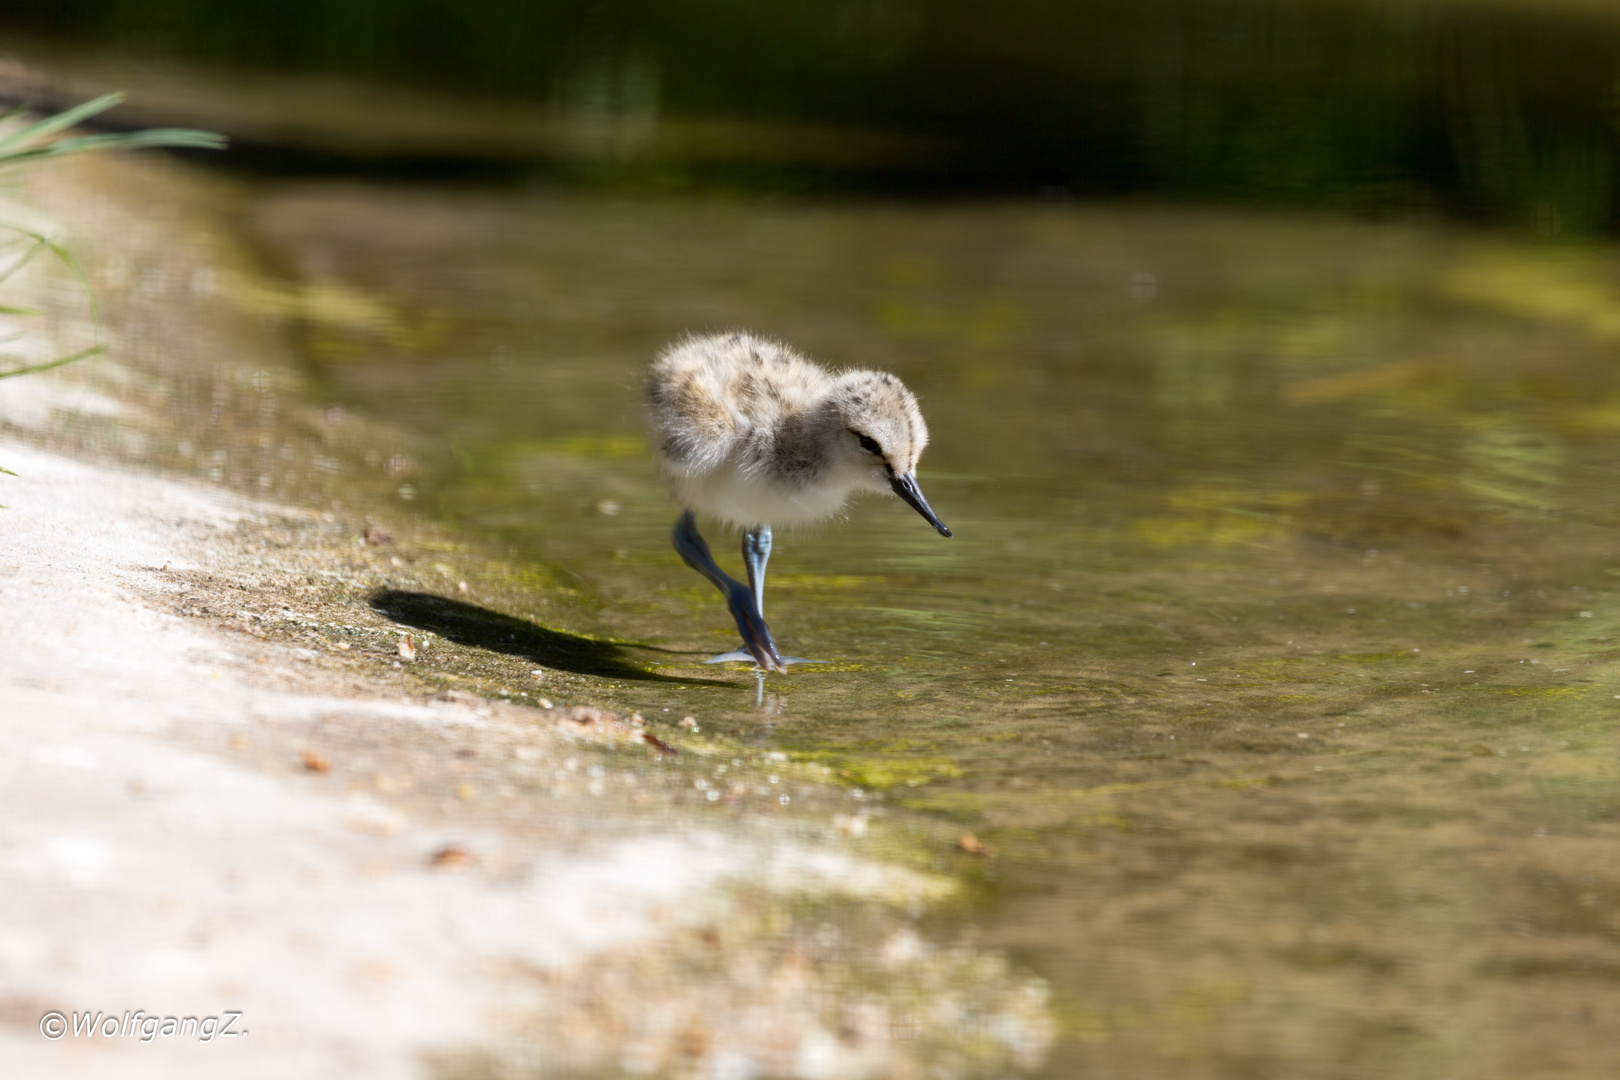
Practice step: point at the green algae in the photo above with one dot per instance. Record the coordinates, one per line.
(883, 772)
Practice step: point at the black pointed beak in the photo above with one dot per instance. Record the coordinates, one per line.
(906, 487)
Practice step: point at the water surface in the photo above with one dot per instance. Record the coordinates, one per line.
(1273, 651)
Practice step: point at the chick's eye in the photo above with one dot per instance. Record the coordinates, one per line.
(869, 444)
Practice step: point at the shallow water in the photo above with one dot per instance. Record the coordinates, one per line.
(1273, 651)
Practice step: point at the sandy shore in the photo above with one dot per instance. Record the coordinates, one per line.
(227, 795)
(143, 874)
(200, 823)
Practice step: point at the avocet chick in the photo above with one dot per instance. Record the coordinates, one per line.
(752, 433)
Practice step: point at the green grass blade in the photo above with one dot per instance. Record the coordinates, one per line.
(73, 266)
(60, 361)
(26, 258)
(173, 138)
(26, 144)
(52, 124)
(41, 242)
(177, 138)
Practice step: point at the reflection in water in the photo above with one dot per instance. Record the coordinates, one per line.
(1275, 654)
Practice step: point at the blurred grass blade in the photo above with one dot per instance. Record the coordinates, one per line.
(77, 271)
(52, 124)
(27, 143)
(173, 138)
(40, 242)
(26, 257)
(60, 361)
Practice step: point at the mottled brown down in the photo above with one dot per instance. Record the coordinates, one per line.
(751, 432)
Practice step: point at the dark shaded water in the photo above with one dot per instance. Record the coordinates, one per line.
(1274, 649)
(1496, 110)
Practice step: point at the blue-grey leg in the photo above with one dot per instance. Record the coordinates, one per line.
(694, 551)
(756, 549)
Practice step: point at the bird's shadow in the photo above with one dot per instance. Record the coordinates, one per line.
(468, 624)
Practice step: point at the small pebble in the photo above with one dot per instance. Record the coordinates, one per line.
(450, 855)
(851, 825)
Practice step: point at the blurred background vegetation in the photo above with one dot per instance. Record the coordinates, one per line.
(1495, 111)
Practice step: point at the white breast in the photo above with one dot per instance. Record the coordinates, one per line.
(748, 498)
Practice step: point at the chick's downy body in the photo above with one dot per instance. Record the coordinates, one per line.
(752, 433)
